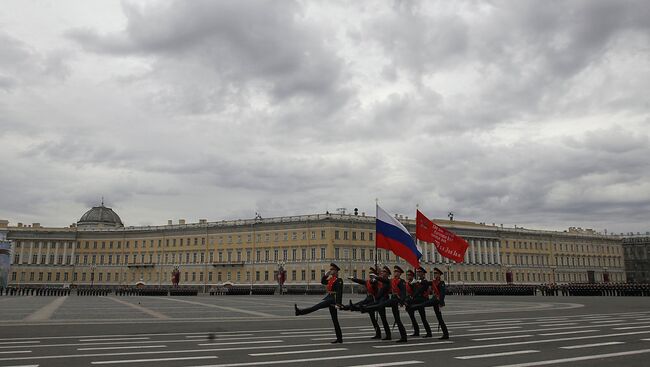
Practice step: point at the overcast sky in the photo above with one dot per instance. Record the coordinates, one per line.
(534, 113)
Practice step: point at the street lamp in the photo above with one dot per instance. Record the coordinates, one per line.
(92, 275)
(448, 266)
(281, 275)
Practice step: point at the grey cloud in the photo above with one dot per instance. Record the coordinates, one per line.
(238, 47)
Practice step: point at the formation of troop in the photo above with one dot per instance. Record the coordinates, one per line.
(134, 291)
(13, 291)
(386, 289)
(94, 291)
(492, 290)
(596, 289)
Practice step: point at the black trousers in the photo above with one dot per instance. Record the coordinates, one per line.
(423, 316)
(433, 301)
(373, 315)
(327, 303)
(393, 303)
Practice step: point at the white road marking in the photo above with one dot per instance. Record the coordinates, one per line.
(563, 324)
(225, 308)
(368, 336)
(403, 363)
(576, 359)
(606, 321)
(218, 335)
(496, 328)
(411, 344)
(591, 345)
(248, 342)
(24, 342)
(16, 351)
(569, 332)
(45, 313)
(475, 356)
(632, 327)
(295, 352)
(154, 360)
(131, 347)
(112, 339)
(503, 337)
(148, 311)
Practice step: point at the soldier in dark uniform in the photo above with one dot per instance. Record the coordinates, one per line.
(332, 299)
(371, 297)
(397, 299)
(417, 290)
(438, 300)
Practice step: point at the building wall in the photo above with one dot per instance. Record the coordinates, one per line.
(637, 258)
(250, 252)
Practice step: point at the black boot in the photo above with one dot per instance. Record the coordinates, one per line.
(428, 335)
(337, 341)
(295, 306)
(444, 337)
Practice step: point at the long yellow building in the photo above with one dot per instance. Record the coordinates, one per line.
(100, 250)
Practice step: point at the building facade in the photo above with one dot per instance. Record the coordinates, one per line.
(100, 251)
(637, 258)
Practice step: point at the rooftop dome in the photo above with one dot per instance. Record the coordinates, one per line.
(100, 216)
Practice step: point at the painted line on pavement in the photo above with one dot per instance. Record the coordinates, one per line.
(131, 347)
(225, 308)
(295, 352)
(113, 339)
(16, 351)
(503, 337)
(577, 359)
(568, 332)
(591, 345)
(148, 311)
(404, 363)
(502, 328)
(476, 356)
(45, 313)
(155, 360)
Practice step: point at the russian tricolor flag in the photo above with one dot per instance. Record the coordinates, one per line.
(393, 236)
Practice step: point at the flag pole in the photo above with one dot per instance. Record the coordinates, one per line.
(376, 211)
(417, 241)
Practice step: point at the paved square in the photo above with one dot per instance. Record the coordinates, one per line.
(261, 330)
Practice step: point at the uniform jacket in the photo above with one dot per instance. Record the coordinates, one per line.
(334, 288)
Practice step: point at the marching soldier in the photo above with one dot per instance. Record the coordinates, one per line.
(332, 299)
(418, 292)
(371, 285)
(397, 299)
(438, 300)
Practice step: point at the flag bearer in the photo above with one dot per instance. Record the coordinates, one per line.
(438, 300)
(397, 299)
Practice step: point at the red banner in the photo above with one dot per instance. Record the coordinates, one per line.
(448, 244)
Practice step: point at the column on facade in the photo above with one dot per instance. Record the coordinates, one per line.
(498, 248)
(491, 242)
(466, 260)
(473, 257)
(479, 245)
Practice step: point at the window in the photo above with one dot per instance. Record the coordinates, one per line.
(370, 236)
(322, 253)
(322, 235)
(336, 235)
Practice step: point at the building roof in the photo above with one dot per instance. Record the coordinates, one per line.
(100, 216)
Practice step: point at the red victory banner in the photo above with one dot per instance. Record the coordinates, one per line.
(447, 243)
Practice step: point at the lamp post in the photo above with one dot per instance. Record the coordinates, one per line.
(92, 275)
(553, 273)
(281, 276)
(448, 266)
